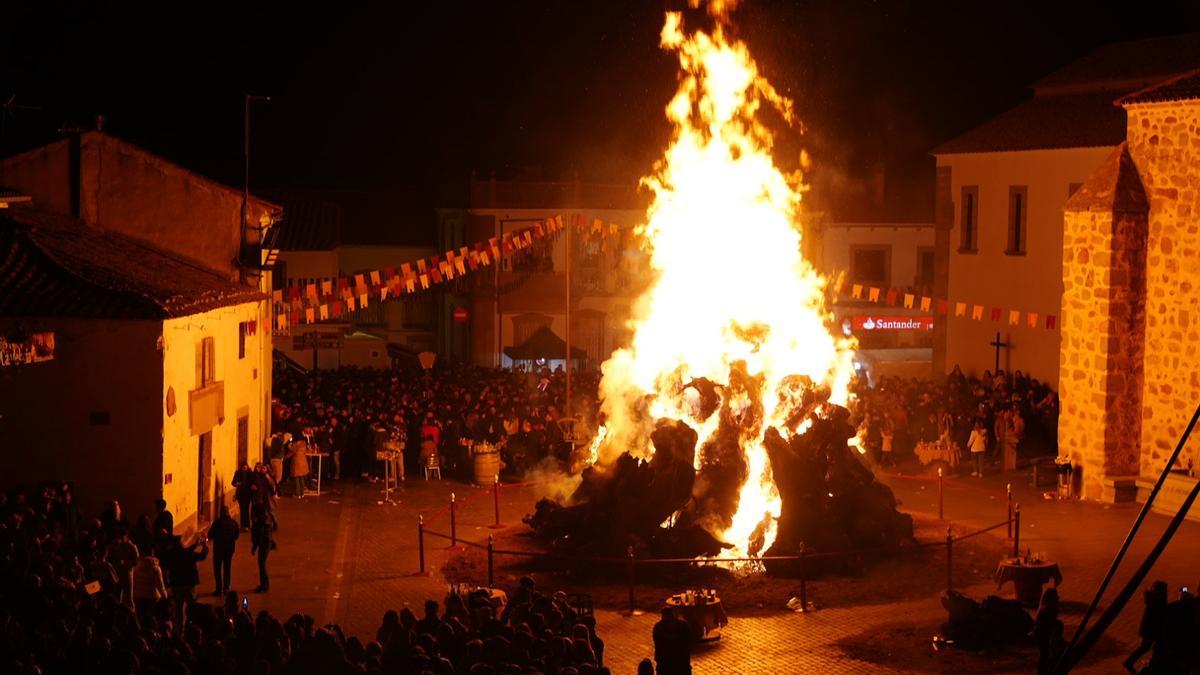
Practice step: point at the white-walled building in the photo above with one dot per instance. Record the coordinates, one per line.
(1001, 188)
(533, 296)
(156, 385)
(173, 392)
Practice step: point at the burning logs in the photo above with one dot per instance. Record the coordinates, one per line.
(665, 508)
(830, 499)
(628, 503)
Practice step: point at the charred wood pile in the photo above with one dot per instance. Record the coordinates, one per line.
(664, 507)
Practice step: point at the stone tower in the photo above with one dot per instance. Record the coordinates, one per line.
(1103, 326)
(1130, 354)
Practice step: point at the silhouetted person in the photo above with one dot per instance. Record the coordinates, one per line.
(1154, 623)
(261, 543)
(223, 535)
(672, 645)
(1174, 649)
(243, 492)
(1047, 632)
(430, 623)
(163, 528)
(183, 572)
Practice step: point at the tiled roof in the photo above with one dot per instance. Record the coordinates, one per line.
(51, 265)
(1077, 121)
(1112, 186)
(1125, 66)
(1181, 88)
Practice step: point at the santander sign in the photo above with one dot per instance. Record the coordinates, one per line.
(886, 323)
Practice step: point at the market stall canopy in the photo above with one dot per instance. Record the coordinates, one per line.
(543, 344)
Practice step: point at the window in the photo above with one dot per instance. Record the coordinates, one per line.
(418, 311)
(969, 220)
(279, 277)
(871, 265)
(242, 339)
(587, 333)
(206, 363)
(925, 262)
(1018, 225)
(525, 325)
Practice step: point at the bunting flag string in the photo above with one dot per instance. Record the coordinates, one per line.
(330, 298)
(891, 297)
(323, 299)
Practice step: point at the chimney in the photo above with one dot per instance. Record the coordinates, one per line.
(74, 171)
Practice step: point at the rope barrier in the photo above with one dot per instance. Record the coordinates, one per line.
(948, 481)
(714, 561)
(484, 491)
(997, 526)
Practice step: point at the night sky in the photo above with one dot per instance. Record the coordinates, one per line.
(398, 95)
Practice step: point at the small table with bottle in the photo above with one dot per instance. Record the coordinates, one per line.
(1028, 573)
(702, 610)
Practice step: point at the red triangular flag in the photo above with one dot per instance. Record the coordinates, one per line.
(995, 314)
(1051, 321)
(942, 306)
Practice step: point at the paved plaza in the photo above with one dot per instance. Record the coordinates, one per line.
(346, 557)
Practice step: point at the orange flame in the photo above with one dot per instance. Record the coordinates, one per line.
(732, 284)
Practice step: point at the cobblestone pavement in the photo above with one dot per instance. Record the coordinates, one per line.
(347, 557)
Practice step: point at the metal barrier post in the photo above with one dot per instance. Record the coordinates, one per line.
(491, 562)
(1010, 510)
(453, 524)
(803, 581)
(421, 544)
(941, 501)
(949, 559)
(1016, 530)
(496, 503)
(632, 606)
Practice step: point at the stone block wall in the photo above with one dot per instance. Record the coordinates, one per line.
(1100, 373)
(1164, 141)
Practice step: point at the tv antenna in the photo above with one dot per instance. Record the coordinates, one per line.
(9, 109)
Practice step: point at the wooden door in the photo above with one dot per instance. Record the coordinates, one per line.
(204, 462)
(243, 441)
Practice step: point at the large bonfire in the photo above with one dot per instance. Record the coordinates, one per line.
(732, 363)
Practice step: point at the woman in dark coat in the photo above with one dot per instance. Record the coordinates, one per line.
(1154, 622)
(261, 543)
(1048, 632)
(243, 492)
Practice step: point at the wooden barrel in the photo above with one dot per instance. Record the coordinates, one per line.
(487, 467)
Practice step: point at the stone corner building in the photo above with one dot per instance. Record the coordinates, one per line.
(1130, 355)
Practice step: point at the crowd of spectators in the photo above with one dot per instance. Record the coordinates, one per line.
(1011, 409)
(351, 413)
(102, 596)
(483, 632)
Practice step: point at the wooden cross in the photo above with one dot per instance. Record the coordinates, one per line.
(998, 344)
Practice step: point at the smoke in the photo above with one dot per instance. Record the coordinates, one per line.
(552, 481)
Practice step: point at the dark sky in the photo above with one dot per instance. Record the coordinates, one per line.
(400, 95)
